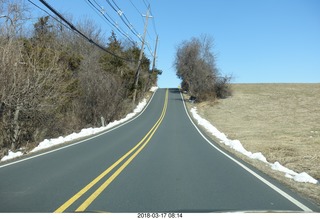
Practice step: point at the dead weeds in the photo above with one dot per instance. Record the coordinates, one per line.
(279, 120)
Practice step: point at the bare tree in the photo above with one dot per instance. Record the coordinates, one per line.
(34, 82)
(195, 65)
(53, 82)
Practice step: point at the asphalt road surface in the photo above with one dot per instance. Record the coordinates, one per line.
(158, 162)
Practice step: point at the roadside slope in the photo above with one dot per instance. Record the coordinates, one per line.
(278, 120)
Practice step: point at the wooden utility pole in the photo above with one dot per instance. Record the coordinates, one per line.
(154, 62)
(154, 56)
(136, 80)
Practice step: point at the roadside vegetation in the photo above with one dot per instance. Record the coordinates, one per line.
(53, 82)
(279, 120)
(195, 65)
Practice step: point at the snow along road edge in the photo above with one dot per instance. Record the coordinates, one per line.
(237, 146)
(47, 143)
(275, 188)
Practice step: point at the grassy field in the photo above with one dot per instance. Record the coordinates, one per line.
(282, 121)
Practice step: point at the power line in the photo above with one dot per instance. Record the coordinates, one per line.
(153, 20)
(147, 4)
(79, 32)
(135, 7)
(154, 23)
(108, 18)
(127, 22)
(112, 22)
(140, 58)
(124, 18)
(49, 14)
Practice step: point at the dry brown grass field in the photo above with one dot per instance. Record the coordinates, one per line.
(282, 121)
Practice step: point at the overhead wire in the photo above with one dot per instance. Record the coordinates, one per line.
(148, 6)
(135, 7)
(124, 18)
(111, 22)
(127, 22)
(146, 3)
(79, 32)
(108, 18)
(98, 13)
(154, 23)
(139, 12)
(37, 6)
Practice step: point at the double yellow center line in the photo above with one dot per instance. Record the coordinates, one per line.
(133, 152)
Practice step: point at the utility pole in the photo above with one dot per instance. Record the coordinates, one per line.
(154, 61)
(136, 80)
(155, 55)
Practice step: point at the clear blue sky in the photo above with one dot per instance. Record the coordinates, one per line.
(256, 41)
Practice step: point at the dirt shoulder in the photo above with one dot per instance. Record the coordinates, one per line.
(279, 120)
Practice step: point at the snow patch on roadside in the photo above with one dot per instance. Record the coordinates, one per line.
(153, 89)
(12, 155)
(88, 131)
(47, 143)
(237, 146)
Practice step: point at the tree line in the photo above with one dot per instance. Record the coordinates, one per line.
(53, 82)
(195, 65)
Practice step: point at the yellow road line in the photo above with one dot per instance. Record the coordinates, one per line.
(84, 205)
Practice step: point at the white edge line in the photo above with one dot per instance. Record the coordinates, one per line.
(275, 188)
(78, 142)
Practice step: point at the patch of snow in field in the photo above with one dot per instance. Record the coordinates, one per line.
(236, 145)
(47, 143)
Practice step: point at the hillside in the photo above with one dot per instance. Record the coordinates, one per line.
(279, 120)
(54, 82)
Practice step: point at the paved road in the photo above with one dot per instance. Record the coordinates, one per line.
(158, 162)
